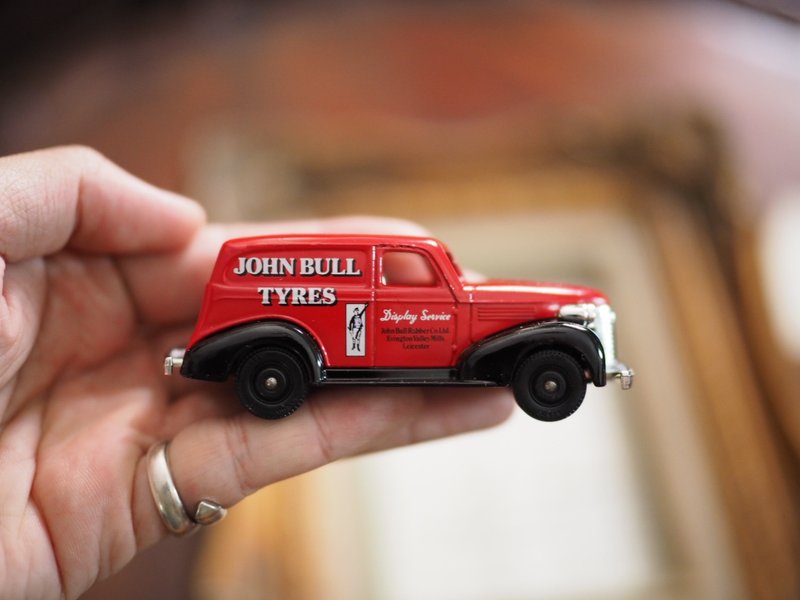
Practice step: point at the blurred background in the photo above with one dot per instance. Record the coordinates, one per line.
(651, 149)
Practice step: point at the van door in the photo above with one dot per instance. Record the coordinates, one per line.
(415, 318)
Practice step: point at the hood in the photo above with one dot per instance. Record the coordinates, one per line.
(533, 292)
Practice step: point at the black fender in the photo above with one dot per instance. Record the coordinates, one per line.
(496, 358)
(216, 357)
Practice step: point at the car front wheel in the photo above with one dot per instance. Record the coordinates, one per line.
(271, 383)
(549, 385)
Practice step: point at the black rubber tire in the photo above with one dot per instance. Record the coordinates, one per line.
(562, 372)
(290, 378)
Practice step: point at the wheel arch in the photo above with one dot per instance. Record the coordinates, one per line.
(497, 357)
(216, 357)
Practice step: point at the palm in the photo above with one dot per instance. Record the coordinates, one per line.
(79, 416)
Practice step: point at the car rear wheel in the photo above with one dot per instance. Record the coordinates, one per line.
(272, 383)
(549, 385)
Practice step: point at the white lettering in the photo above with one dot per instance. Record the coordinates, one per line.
(429, 316)
(240, 269)
(253, 266)
(298, 296)
(307, 267)
(266, 266)
(322, 266)
(351, 268)
(411, 318)
(265, 295)
(390, 315)
(277, 266)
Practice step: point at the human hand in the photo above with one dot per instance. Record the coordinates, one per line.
(99, 274)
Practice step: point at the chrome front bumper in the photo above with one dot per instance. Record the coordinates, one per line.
(622, 372)
(174, 360)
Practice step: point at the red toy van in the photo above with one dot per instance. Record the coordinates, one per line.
(283, 313)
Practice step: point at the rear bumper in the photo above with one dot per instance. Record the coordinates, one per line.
(174, 360)
(622, 372)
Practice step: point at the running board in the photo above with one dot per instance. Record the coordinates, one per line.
(397, 377)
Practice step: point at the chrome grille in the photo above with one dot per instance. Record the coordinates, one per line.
(603, 326)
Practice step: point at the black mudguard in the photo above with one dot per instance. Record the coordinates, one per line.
(496, 358)
(217, 356)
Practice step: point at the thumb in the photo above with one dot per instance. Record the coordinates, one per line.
(75, 197)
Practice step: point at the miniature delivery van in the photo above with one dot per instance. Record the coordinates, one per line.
(285, 313)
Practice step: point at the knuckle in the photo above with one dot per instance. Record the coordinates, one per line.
(80, 160)
(323, 435)
(81, 154)
(89, 162)
(237, 444)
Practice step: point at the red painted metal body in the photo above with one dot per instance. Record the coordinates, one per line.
(371, 301)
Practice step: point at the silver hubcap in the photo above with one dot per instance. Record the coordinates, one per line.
(270, 383)
(550, 386)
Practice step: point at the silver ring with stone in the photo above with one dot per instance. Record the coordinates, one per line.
(174, 514)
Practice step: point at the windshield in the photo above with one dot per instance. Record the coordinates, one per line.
(455, 264)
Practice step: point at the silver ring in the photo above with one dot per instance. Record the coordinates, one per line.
(168, 501)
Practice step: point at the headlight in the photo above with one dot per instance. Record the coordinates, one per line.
(578, 313)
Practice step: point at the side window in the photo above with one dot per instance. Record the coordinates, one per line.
(407, 268)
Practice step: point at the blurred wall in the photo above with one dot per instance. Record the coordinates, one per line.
(142, 80)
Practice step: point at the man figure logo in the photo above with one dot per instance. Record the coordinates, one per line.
(355, 329)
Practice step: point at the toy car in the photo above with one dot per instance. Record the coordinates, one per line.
(283, 313)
